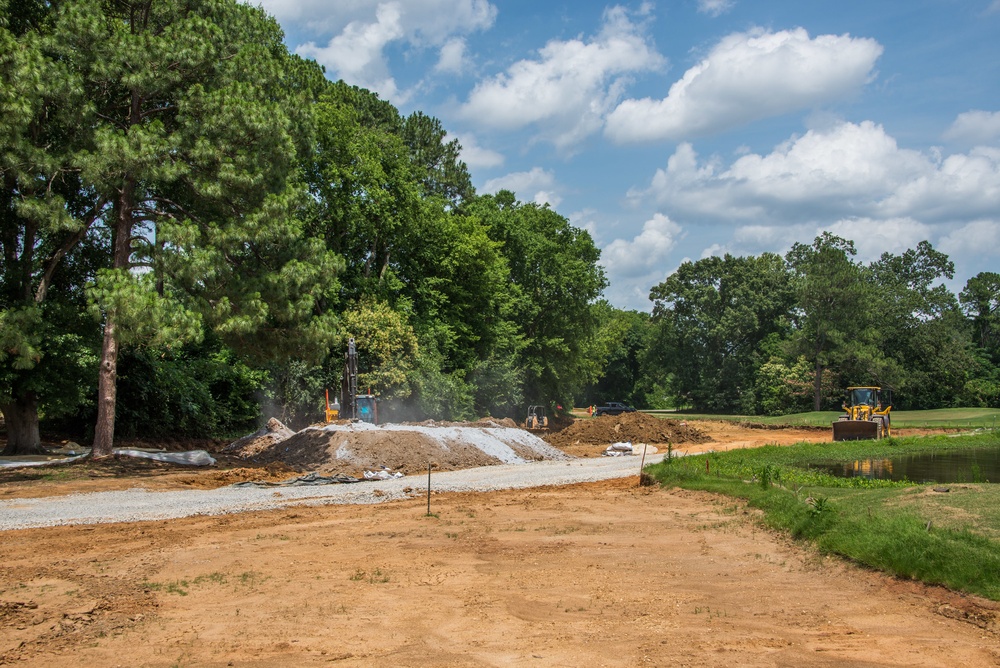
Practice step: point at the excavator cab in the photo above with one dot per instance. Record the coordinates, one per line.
(865, 417)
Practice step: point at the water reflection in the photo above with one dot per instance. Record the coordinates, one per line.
(979, 465)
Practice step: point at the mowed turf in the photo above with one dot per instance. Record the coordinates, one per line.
(941, 418)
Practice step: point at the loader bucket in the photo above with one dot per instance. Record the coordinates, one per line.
(854, 430)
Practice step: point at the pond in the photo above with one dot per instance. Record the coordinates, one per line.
(977, 465)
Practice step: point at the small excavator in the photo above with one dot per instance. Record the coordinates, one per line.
(866, 416)
(536, 420)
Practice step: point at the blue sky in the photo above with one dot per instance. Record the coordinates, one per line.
(676, 130)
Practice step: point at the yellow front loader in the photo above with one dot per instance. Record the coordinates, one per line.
(866, 417)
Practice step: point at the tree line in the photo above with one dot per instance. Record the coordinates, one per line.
(193, 222)
(772, 335)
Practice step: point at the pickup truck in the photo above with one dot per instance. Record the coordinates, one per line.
(613, 408)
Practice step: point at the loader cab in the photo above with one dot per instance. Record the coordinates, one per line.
(875, 398)
(863, 396)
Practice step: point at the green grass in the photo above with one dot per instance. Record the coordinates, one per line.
(942, 418)
(902, 528)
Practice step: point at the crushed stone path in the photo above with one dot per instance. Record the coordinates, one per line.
(140, 505)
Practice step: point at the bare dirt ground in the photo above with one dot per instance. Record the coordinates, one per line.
(602, 574)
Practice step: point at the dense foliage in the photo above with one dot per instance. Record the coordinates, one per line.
(172, 175)
(778, 335)
(193, 222)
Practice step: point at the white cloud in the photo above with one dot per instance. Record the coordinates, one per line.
(356, 53)
(362, 29)
(873, 237)
(538, 182)
(645, 252)
(634, 265)
(848, 171)
(425, 21)
(475, 155)
(746, 77)
(570, 87)
(717, 7)
(452, 57)
(975, 127)
(976, 238)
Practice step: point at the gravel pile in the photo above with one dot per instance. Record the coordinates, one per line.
(139, 505)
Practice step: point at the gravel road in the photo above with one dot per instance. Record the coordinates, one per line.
(138, 505)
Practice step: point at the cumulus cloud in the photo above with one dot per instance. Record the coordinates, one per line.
(540, 183)
(975, 127)
(871, 237)
(475, 155)
(568, 89)
(360, 31)
(645, 252)
(426, 21)
(746, 77)
(356, 53)
(842, 172)
(452, 58)
(976, 238)
(634, 265)
(716, 7)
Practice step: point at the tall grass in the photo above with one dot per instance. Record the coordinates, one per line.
(943, 418)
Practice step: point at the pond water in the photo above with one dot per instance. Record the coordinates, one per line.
(978, 465)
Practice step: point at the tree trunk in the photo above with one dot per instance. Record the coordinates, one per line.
(817, 385)
(107, 391)
(21, 420)
(818, 375)
(107, 378)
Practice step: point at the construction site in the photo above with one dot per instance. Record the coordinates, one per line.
(603, 573)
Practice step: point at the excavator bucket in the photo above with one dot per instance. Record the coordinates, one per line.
(855, 430)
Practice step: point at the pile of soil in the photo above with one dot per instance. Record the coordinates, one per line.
(353, 448)
(632, 427)
(270, 434)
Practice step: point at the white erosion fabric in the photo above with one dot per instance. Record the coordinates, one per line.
(493, 441)
(138, 505)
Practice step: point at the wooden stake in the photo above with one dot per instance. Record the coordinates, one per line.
(428, 489)
(642, 463)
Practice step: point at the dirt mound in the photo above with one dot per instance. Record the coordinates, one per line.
(634, 427)
(271, 433)
(353, 448)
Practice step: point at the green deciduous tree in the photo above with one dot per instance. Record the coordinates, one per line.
(833, 298)
(621, 343)
(710, 317)
(981, 302)
(920, 330)
(554, 278)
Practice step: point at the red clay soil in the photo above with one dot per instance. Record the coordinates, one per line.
(633, 427)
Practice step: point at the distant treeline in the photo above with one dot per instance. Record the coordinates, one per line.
(770, 335)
